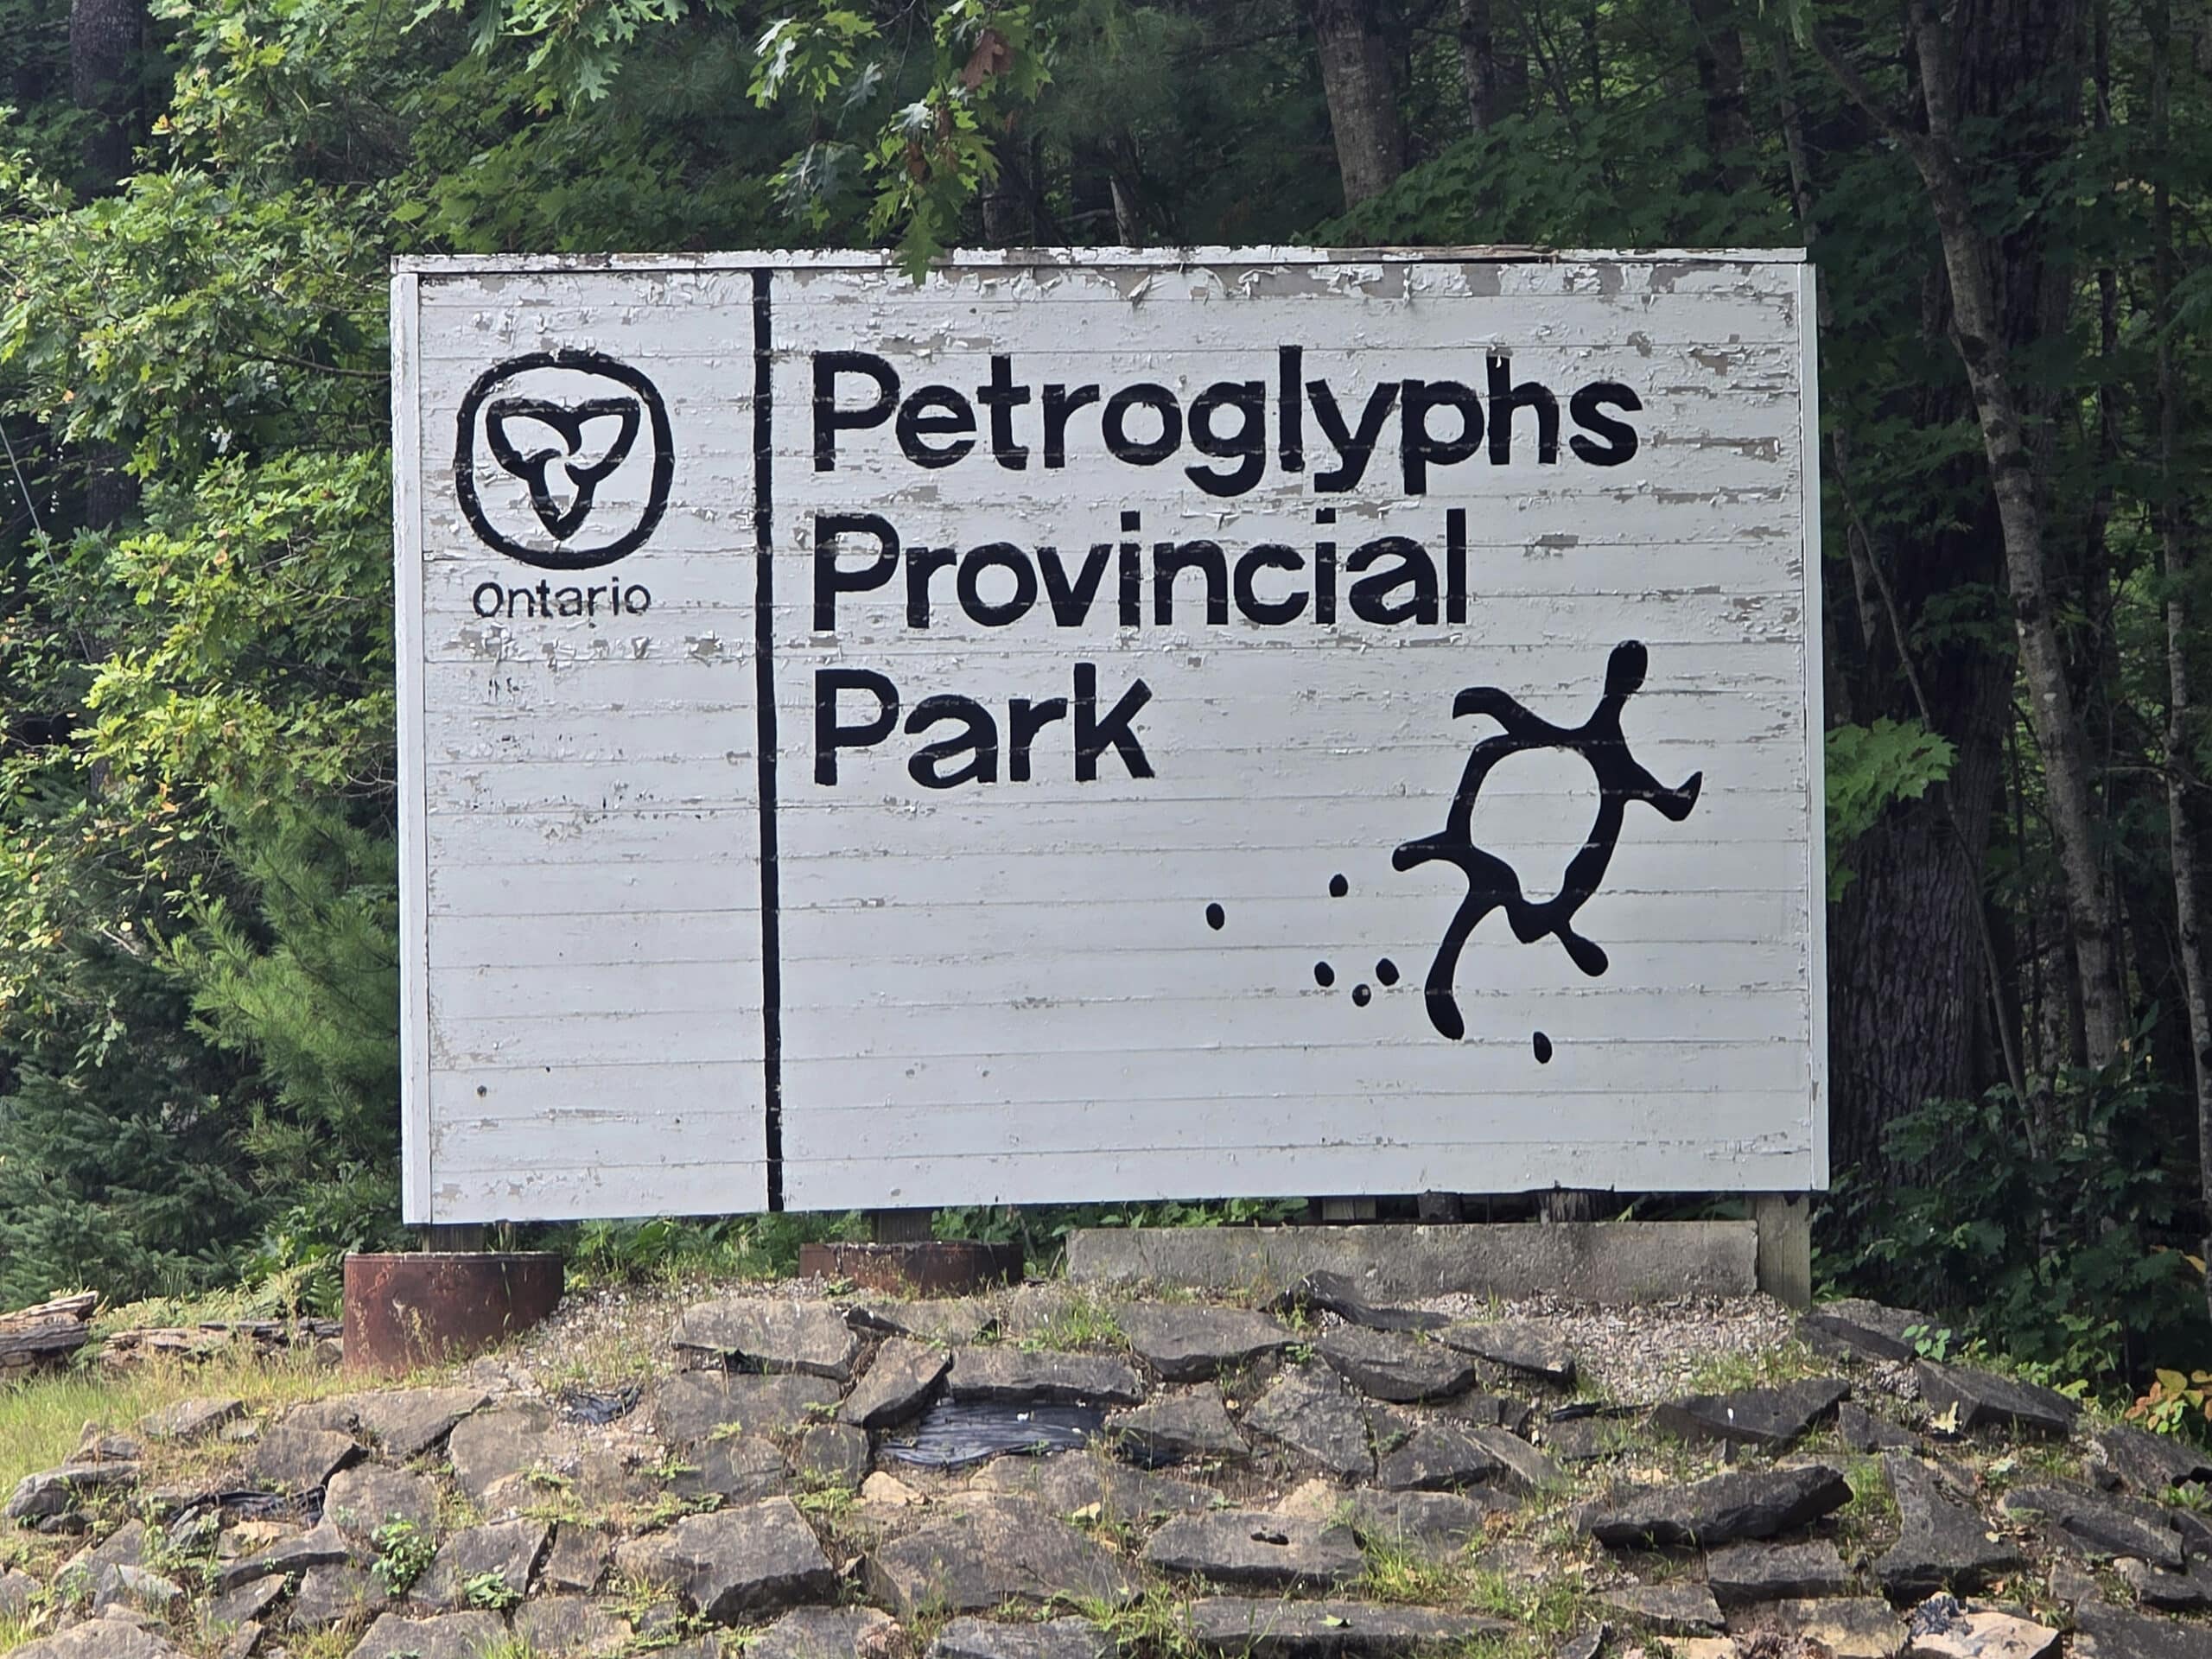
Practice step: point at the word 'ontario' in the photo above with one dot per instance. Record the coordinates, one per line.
(1439, 423)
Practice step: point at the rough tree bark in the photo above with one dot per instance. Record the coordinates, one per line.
(1497, 85)
(1720, 81)
(2174, 548)
(104, 36)
(1360, 79)
(1978, 331)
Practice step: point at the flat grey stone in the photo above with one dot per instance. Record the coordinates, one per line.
(1870, 1328)
(100, 1638)
(1256, 1549)
(578, 1559)
(509, 1550)
(1189, 1342)
(1768, 1417)
(1068, 1482)
(1308, 1409)
(1678, 1609)
(736, 1563)
(2134, 1460)
(1983, 1400)
(897, 1384)
(456, 1636)
(246, 1604)
(1433, 1453)
(825, 1633)
(832, 1455)
(735, 1470)
(1849, 1627)
(569, 1625)
(1396, 1366)
(1520, 1467)
(2187, 1592)
(1517, 1345)
(1748, 1503)
(335, 1414)
(1942, 1627)
(1176, 1428)
(56, 1491)
(337, 1594)
(407, 1422)
(1862, 1431)
(138, 1589)
(947, 1322)
(1336, 1294)
(2103, 1633)
(1583, 1644)
(693, 1406)
(365, 1497)
(1741, 1574)
(16, 1589)
(1255, 1628)
(491, 1446)
(186, 1420)
(1940, 1543)
(989, 1551)
(125, 1547)
(1491, 1411)
(1057, 1638)
(1585, 1440)
(295, 1458)
(2098, 1526)
(1432, 1526)
(770, 1333)
(322, 1546)
(1042, 1377)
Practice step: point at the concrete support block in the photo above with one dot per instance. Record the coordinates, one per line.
(1594, 1261)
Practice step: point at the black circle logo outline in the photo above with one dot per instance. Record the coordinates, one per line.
(464, 464)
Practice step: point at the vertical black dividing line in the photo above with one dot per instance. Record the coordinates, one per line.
(764, 673)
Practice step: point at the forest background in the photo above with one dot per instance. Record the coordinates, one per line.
(2010, 203)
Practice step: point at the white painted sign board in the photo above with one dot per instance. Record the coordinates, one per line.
(1106, 725)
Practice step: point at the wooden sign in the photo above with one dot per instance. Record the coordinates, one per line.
(1106, 726)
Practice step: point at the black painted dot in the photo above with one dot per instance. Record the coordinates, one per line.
(1216, 916)
(1361, 996)
(1323, 974)
(1387, 971)
(1339, 887)
(1543, 1045)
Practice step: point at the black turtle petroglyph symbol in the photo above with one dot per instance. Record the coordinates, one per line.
(1492, 884)
(526, 455)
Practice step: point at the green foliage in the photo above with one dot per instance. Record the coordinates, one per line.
(1870, 769)
(2053, 1227)
(405, 1552)
(489, 1592)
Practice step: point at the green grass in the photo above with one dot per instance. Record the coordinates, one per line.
(1084, 1320)
(42, 1417)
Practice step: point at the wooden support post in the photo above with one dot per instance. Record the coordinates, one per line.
(900, 1226)
(461, 1237)
(1785, 1248)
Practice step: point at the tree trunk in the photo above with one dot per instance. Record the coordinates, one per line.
(1720, 80)
(1361, 85)
(1496, 86)
(2174, 549)
(104, 36)
(1978, 331)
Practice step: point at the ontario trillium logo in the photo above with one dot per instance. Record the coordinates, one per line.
(563, 459)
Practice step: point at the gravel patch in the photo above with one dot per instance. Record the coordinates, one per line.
(1651, 1351)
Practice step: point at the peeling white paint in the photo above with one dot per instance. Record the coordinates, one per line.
(1012, 991)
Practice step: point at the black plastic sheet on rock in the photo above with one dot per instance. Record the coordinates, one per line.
(956, 1432)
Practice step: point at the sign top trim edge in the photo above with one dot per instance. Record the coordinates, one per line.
(1078, 259)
